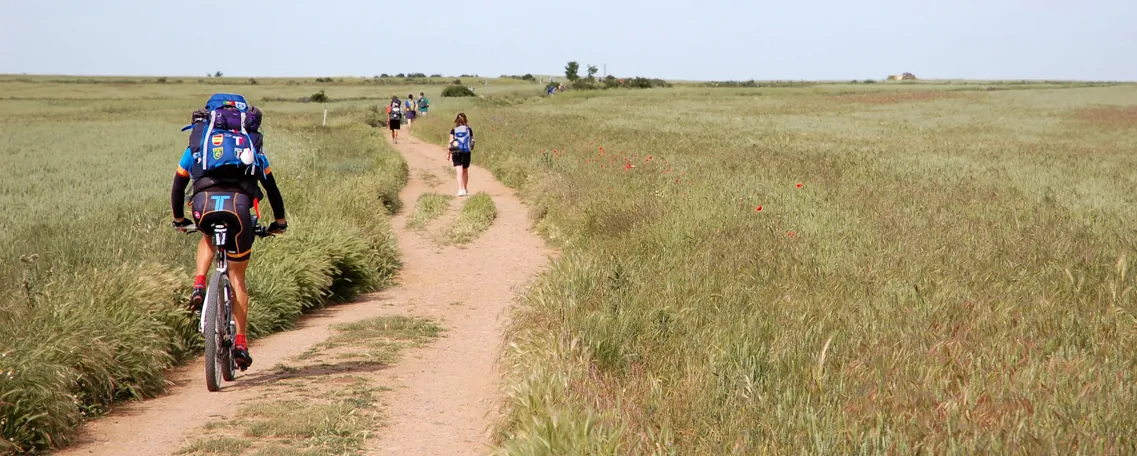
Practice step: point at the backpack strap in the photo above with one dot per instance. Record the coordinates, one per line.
(205, 138)
(252, 167)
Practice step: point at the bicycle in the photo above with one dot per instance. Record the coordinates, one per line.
(218, 307)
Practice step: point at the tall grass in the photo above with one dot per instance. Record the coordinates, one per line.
(430, 206)
(952, 275)
(476, 216)
(93, 282)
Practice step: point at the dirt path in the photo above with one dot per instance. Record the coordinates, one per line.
(442, 397)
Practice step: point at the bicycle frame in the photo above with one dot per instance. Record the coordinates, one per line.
(220, 236)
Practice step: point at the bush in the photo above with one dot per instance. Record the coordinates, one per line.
(525, 77)
(375, 117)
(638, 83)
(457, 81)
(252, 81)
(457, 91)
(161, 80)
(436, 75)
(416, 75)
(318, 97)
(585, 84)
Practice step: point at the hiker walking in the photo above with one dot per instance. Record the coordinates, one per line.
(461, 144)
(395, 117)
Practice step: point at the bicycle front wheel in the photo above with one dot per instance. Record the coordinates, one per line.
(212, 310)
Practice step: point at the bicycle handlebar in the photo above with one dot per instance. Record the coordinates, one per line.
(259, 231)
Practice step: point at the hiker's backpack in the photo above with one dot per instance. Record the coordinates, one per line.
(225, 138)
(462, 139)
(396, 111)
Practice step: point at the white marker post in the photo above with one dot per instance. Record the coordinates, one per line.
(325, 115)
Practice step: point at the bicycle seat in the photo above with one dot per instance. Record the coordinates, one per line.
(223, 220)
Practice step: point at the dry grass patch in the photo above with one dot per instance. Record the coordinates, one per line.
(1111, 117)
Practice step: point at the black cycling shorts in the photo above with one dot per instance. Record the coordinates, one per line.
(460, 159)
(232, 209)
(394, 124)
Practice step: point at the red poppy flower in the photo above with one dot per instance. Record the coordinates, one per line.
(798, 185)
(790, 234)
(759, 209)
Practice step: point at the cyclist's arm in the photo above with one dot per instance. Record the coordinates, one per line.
(181, 180)
(178, 196)
(273, 193)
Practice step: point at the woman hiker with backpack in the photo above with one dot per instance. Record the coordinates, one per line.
(461, 144)
(410, 107)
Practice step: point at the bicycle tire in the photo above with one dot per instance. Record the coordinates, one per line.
(212, 309)
(226, 315)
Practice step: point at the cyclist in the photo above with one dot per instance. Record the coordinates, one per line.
(226, 194)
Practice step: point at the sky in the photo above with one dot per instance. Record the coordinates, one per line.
(671, 39)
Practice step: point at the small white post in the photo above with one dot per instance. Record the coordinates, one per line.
(325, 115)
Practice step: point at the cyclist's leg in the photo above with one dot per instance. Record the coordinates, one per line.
(205, 251)
(239, 251)
(204, 255)
(241, 353)
(240, 293)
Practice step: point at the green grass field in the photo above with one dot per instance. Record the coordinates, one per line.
(888, 268)
(837, 268)
(93, 281)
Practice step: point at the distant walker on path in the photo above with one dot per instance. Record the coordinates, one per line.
(394, 117)
(461, 144)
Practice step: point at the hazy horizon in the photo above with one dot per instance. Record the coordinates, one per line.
(713, 40)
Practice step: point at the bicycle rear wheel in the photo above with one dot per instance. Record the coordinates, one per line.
(213, 348)
(225, 357)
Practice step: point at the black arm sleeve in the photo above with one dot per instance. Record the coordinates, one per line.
(178, 196)
(273, 193)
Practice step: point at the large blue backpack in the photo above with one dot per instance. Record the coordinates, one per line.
(222, 138)
(462, 139)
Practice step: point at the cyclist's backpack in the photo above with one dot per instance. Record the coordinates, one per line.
(462, 139)
(225, 137)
